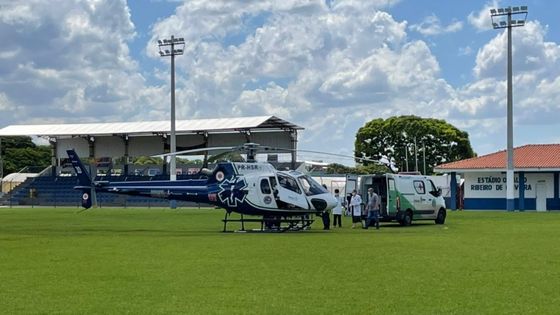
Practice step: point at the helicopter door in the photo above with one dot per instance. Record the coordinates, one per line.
(266, 193)
(290, 193)
(392, 196)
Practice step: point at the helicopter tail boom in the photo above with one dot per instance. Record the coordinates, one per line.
(85, 183)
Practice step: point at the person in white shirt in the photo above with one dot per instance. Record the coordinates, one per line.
(337, 211)
(356, 203)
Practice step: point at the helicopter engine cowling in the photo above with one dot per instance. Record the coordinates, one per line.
(319, 204)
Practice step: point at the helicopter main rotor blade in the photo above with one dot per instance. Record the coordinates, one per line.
(387, 164)
(194, 151)
(324, 153)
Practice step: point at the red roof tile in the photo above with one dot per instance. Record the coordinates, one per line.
(527, 156)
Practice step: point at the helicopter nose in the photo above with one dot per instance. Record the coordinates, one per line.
(331, 201)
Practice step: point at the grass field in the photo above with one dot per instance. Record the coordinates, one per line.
(161, 261)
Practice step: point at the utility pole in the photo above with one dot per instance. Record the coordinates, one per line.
(424, 153)
(406, 156)
(172, 47)
(502, 18)
(415, 155)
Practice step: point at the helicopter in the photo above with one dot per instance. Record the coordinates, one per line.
(248, 188)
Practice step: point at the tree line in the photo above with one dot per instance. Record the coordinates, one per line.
(20, 152)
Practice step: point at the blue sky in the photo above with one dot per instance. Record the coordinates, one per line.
(329, 66)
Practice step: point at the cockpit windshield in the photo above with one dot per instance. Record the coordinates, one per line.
(310, 186)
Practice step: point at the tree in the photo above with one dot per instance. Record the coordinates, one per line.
(372, 168)
(397, 138)
(19, 142)
(20, 152)
(148, 160)
(189, 162)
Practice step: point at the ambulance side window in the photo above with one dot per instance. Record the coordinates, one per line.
(265, 187)
(392, 184)
(419, 187)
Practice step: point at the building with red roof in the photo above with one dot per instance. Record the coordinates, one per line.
(537, 166)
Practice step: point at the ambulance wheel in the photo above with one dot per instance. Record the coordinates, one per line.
(440, 219)
(407, 218)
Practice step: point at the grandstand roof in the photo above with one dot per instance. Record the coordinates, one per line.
(151, 127)
(533, 157)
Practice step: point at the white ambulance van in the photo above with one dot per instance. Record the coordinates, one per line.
(405, 198)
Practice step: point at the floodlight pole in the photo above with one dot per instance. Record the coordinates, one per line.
(173, 166)
(163, 44)
(510, 204)
(172, 43)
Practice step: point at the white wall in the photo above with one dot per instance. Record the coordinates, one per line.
(493, 185)
(144, 146)
(109, 147)
(79, 144)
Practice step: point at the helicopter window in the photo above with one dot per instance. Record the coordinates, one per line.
(289, 183)
(310, 186)
(265, 186)
(273, 182)
(273, 185)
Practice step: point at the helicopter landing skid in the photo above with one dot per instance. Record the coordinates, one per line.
(272, 224)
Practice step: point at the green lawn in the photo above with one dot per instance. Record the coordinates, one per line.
(161, 261)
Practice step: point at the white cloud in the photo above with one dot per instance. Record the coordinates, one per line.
(431, 25)
(536, 81)
(530, 53)
(481, 20)
(465, 51)
(5, 104)
(68, 59)
(314, 67)
(328, 66)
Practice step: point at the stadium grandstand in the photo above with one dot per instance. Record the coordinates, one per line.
(109, 150)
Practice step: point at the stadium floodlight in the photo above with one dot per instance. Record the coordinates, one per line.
(504, 20)
(172, 47)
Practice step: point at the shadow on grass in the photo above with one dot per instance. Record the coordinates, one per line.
(114, 232)
(69, 232)
(413, 225)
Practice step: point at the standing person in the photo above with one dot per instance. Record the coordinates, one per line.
(337, 211)
(348, 206)
(326, 219)
(356, 204)
(372, 208)
(325, 215)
